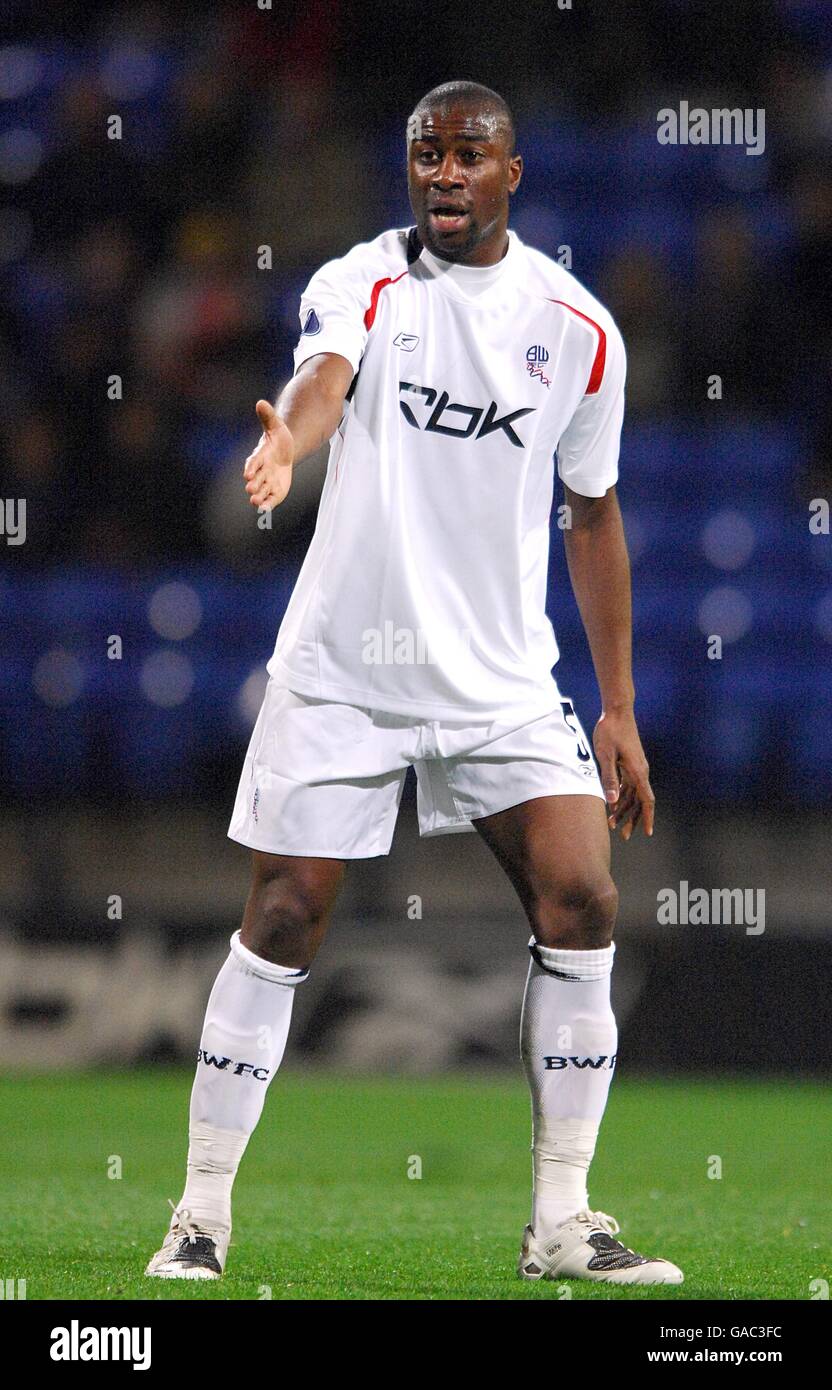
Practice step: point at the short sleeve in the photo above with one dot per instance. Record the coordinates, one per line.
(588, 448)
(332, 310)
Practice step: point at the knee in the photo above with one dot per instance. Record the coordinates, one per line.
(285, 917)
(579, 914)
(290, 903)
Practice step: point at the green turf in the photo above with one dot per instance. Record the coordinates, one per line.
(324, 1208)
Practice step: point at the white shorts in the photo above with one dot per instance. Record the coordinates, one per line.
(325, 780)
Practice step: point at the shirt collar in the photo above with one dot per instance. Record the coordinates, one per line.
(471, 280)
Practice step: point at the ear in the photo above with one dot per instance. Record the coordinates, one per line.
(515, 172)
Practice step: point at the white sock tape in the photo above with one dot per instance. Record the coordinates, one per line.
(564, 1141)
(266, 969)
(574, 965)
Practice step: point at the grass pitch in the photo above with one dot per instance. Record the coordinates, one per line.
(325, 1209)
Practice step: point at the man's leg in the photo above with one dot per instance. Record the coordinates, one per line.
(555, 850)
(244, 1036)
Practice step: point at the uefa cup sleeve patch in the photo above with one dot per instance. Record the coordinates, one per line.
(312, 325)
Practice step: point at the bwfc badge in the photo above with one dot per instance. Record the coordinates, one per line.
(536, 357)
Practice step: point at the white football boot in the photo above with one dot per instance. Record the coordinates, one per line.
(584, 1248)
(189, 1251)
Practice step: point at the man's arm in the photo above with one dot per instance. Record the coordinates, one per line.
(306, 414)
(599, 568)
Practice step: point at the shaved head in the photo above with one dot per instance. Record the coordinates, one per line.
(461, 172)
(489, 106)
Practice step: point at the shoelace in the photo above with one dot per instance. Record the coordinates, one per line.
(599, 1218)
(183, 1217)
(606, 1223)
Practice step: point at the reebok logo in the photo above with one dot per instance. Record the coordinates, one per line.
(483, 421)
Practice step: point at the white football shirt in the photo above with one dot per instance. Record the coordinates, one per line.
(423, 590)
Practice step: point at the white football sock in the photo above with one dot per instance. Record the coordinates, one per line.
(242, 1045)
(566, 1015)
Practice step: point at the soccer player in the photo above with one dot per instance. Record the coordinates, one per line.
(447, 364)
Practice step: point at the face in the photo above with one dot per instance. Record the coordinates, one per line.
(460, 175)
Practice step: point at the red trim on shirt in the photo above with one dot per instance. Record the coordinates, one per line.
(369, 317)
(597, 373)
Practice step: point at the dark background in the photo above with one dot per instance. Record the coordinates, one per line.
(138, 257)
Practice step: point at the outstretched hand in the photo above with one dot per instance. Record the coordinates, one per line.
(268, 470)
